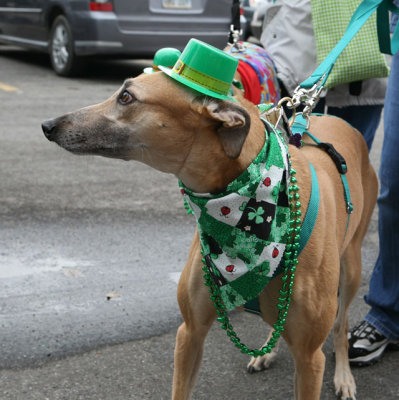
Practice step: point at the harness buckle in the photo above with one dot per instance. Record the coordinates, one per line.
(339, 161)
(349, 207)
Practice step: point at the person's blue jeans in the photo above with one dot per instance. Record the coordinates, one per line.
(364, 118)
(383, 294)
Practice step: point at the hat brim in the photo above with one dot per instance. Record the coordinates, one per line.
(150, 70)
(192, 85)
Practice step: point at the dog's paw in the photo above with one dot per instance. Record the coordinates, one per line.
(343, 397)
(258, 364)
(345, 386)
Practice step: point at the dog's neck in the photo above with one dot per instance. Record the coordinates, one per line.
(210, 170)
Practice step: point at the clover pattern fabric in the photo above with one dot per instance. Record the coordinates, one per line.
(243, 231)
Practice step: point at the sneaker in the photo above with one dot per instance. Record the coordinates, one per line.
(367, 344)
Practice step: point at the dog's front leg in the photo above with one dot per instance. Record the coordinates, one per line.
(307, 329)
(261, 363)
(309, 371)
(198, 313)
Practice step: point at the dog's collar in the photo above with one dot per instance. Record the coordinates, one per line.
(244, 230)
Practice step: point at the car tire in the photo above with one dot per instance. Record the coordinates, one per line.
(62, 55)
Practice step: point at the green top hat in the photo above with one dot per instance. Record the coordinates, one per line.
(166, 57)
(204, 68)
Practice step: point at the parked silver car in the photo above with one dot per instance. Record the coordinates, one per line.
(71, 29)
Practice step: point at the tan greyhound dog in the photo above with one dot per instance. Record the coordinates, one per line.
(207, 143)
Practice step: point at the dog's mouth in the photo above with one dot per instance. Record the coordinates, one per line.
(74, 142)
(70, 141)
(81, 145)
(83, 140)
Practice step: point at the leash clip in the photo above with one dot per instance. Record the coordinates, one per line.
(308, 97)
(235, 36)
(349, 207)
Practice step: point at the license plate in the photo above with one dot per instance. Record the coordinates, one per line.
(176, 3)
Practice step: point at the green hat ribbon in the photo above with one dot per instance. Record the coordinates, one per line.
(207, 81)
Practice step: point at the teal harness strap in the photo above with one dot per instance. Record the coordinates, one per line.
(347, 194)
(311, 213)
(299, 126)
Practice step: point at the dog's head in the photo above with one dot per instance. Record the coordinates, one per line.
(159, 122)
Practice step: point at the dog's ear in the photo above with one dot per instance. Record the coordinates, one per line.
(233, 125)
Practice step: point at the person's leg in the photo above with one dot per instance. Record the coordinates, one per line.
(364, 118)
(380, 329)
(383, 294)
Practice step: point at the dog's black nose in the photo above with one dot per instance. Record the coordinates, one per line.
(48, 128)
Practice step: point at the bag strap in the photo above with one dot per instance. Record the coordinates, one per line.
(387, 46)
(235, 27)
(359, 18)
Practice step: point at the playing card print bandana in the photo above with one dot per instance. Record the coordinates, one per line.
(243, 231)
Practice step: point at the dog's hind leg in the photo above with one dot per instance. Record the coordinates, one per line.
(350, 277)
(261, 363)
(198, 313)
(349, 282)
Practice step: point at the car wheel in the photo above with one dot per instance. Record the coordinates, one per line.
(63, 58)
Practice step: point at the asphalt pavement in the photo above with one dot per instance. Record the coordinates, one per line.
(90, 253)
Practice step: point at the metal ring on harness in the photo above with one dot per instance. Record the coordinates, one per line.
(281, 109)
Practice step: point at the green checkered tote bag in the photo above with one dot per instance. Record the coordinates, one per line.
(362, 58)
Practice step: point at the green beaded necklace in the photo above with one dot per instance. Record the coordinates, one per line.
(290, 261)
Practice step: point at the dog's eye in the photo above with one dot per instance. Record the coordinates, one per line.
(125, 98)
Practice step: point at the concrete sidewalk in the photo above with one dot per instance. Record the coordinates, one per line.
(143, 369)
